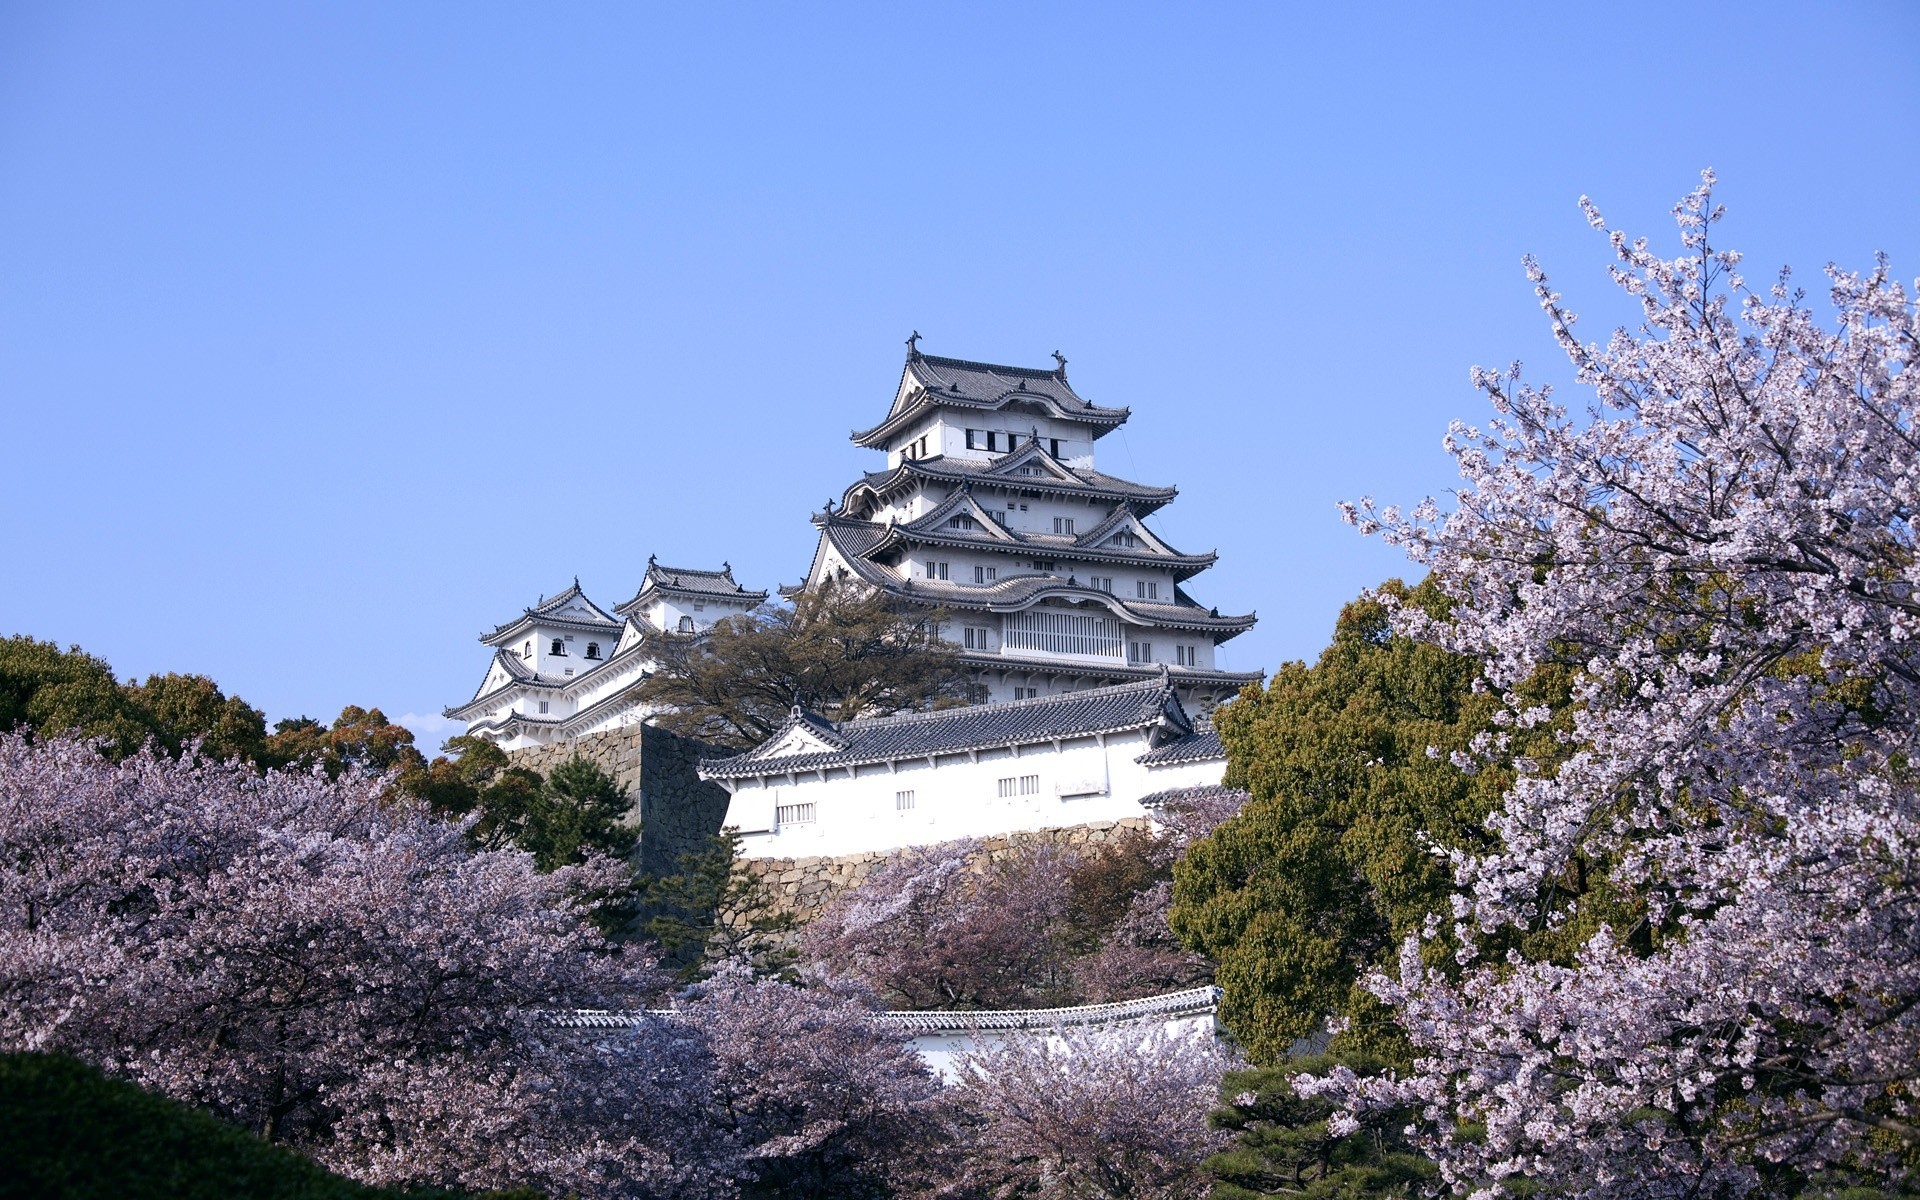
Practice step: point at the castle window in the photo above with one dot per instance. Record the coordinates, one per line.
(1139, 652)
(1053, 447)
(903, 801)
(1063, 524)
(937, 570)
(686, 624)
(1019, 785)
(1101, 583)
(544, 705)
(985, 574)
(1125, 540)
(1186, 656)
(593, 649)
(976, 637)
(973, 435)
(559, 647)
(1044, 564)
(1146, 589)
(1026, 693)
(993, 441)
(795, 814)
(961, 521)
(527, 652)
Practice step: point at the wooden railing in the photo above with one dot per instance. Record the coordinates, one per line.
(1064, 633)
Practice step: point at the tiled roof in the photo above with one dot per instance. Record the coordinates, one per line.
(586, 616)
(521, 675)
(1190, 1002)
(1116, 671)
(1146, 704)
(1199, 792)
(931, 529)
(1080, 481)
(929, 381)
(1202, 743)
(855, 540)
(687, 581)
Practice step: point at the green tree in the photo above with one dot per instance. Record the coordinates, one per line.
(185, 708)
(47, 690)
(1332, 861)
(840, 649)
(1284, 1147)
(68, 1131)
(708, 912)
(358, 737)
(580, 811)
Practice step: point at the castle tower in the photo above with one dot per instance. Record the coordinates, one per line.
(566, 667)
(990, 506)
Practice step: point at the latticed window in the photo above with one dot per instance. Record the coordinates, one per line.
(686, 624)
(1019, 785)
(902, 801)
(1063, 633)
(559, 647)
(795, 814)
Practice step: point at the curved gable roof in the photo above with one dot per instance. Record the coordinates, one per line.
(928, 382)
(1149, 704)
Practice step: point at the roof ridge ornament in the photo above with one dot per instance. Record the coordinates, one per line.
(1060, 366)
(913, 347)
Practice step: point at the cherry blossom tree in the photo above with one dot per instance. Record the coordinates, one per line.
(1079, 1113)
(325, 963)
(820, 1099)
(940, 927)
(1722, 545)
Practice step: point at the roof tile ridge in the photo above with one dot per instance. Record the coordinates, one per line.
(1005, 705)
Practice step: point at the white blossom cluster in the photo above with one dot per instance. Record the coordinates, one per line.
(1722, 545)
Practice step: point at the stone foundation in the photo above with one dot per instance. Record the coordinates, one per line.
(674, 808)
(802, 886)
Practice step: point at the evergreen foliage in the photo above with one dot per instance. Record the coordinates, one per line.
(706, 913)
(1329, 865)
(1284, 1146)
(67, 1132)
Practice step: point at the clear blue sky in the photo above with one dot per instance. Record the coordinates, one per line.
(332, 334)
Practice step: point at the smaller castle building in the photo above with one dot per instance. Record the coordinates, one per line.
(820, 788)
(566, 667)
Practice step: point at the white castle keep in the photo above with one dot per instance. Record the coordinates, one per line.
(991, 508)
(565, 667)
(1098, 668)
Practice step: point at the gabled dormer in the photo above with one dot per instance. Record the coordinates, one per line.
(962, 516)
(1034, 461)
(804, 733)
(1123, 532)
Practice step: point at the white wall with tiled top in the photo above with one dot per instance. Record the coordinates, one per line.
(954, 796)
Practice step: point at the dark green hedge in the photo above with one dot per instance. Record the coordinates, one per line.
(67, 1132)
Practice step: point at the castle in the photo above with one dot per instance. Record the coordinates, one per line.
(990, 507)
(1097, 666)
(565, 667)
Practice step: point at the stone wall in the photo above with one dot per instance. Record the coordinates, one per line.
(802, 886)
(675, 809)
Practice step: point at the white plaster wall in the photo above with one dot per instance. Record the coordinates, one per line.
(955, 797)
(941, 1050)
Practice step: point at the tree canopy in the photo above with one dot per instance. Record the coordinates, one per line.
(839, 649)
(1331, 862)
(1721, 549)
